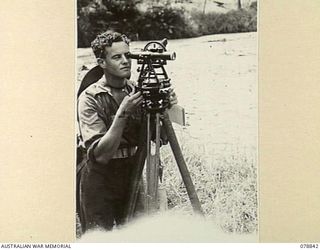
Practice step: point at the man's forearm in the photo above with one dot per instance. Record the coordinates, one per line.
(110, 142)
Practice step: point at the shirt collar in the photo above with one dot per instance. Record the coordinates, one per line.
(102, 87)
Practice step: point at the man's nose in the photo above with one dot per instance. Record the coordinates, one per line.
(125, 59)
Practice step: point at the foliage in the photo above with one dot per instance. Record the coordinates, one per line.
(254, 5)
(225, 181)
(230, 22)
(158, 20)
(95, 17)
(163, 21)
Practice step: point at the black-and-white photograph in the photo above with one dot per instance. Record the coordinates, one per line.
(167, 121)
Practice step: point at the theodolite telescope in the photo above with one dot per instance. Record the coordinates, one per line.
(153, 51)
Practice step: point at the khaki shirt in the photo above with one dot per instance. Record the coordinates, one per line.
(96, 111)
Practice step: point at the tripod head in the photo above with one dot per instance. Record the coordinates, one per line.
(153, 81)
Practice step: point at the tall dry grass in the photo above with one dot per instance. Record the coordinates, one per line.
(225, 178)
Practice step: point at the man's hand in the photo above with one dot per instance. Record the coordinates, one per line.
(173, 97)
(110, 142)
(129, 104)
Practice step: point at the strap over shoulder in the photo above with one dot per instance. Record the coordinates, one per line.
(92, 76)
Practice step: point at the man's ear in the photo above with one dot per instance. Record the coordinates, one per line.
(101, 62)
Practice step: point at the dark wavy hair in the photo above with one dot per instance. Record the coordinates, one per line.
(106, 39)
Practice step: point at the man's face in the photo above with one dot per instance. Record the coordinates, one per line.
(117, 62)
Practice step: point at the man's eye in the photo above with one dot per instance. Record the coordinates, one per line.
(116, 57)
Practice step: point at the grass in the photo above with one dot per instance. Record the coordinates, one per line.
(225, 181)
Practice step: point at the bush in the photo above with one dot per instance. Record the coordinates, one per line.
(157, 21)
(230, 22)
(98, 16)
(163, 21)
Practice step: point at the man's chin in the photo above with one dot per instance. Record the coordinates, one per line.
(128, 76)
(122, 75)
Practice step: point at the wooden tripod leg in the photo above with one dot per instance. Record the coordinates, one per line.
(153, 159)
(148, 162)
(157, 158)
(140, 158)
(181, 164)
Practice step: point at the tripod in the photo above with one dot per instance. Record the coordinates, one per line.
(154, 81)
(144, 153)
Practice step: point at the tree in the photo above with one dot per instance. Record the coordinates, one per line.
(239, 4)
(96, 16)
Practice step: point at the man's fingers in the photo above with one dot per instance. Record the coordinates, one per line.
(138, 100)
(133, 91)
(136, 95)
(173, 101)
(171, 90)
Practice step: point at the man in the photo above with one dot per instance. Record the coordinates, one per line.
(109, 123)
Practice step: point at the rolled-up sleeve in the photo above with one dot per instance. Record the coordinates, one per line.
(92, 127)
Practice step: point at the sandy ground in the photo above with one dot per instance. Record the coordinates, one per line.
(215, 78)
